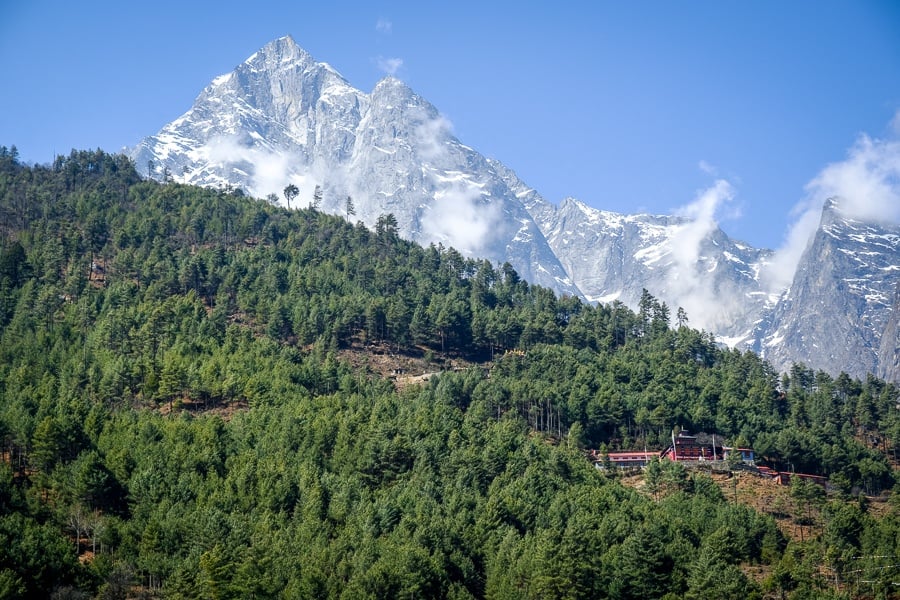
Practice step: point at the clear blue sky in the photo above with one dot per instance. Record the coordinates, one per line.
(615, 103)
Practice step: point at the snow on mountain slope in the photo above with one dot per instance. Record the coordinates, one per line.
(614, 257)
(841, 300)
(281, 117)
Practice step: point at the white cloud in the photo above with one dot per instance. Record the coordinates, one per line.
(702, 221)
(460, 218)
(270, 175)
(779, 273)
(384, 26)
(389, 65)
(689, 287)
(268, 172)
(459, 215)
(866, 185)
(431, 136)
(708, 168)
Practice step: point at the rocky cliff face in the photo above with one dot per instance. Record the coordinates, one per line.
(260, 125)
(840, 303)
(281, 117)
(613, 257)
(889, 352)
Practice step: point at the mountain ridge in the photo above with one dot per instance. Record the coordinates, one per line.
(390, 151)
(281, 117)
(840, 301)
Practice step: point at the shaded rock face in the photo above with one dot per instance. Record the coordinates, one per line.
(614, 257)
(889, 352)
(281, 117)
(841, 302)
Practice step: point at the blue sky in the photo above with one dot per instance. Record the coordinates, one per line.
(626, 106)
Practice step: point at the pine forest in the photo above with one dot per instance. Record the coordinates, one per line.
(207, 395)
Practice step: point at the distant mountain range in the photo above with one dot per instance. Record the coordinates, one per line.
(281, 117)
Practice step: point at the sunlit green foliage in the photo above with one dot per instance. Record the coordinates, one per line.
(125, 302)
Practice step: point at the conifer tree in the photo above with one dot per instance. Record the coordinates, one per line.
(290, 192)
(349, 208)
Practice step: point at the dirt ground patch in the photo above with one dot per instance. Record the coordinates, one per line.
(224, 410)
(764, 495)
(411, 366)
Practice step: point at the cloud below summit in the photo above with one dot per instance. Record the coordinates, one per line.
(701, 215)
(458, 214)
(389, 66)
(689, 287)
(867, 186)
(268, 170)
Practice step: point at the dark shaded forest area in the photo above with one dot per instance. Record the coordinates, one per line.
(123, 301)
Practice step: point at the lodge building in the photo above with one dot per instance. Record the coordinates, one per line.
(684, 448)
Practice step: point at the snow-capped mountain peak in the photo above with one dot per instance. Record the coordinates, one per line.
(281, 117)
(841, 299)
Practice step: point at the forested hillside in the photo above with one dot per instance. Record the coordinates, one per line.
(177, 419)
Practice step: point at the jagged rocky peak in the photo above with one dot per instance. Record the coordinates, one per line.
(280, 61)
(840, 302)
(833, 214)
(831, 205)
(837, 211)
(282, 117)
(683, 262)
(390, 86)
(284, 50)
(284, 81)
(394, 101)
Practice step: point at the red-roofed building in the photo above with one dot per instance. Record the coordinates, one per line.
(763, 470)
(685, 448)
(634, 459)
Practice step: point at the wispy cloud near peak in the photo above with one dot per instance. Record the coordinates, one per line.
(384, 26)
(389, 66)
(688, 283)
(708, 168)
(867, 184)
